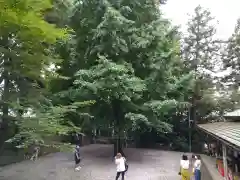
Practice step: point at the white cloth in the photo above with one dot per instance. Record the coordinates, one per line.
(120, 162)
(185, 164)
(197, 164)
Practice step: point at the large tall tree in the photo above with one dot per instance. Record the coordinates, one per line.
(125, 58)
(231, 61)
(199, 51)
(200, 55)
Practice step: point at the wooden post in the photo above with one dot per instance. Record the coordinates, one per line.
(224, 149)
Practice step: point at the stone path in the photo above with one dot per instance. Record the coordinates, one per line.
(97, 164)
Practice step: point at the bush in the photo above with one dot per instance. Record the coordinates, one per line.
(180, 144)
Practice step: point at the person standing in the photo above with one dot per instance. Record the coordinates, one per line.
(35, 155)
(120, 161)
(197, 168)
(77, 158)
(184, 168)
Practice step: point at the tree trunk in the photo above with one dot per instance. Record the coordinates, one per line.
(4, 42)
(193, 109)
(116, 105)
(5, 108)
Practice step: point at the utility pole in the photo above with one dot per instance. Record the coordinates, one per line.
(189, 130)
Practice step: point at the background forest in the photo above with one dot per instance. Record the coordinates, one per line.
(114, 66)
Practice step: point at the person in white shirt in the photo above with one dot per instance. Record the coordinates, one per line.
(120, 161)
(184, 168)
(197, 168)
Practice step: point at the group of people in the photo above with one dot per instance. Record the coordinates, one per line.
(120, 162)
(122, 166)
(185, 164)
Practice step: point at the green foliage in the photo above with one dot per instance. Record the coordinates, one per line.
(18, 17)
(199, 53)
(26, 52)
(137, 120)
(200, 47)
(231, 61)
(161, 107)
(45, 125)
(26, 40)
(128, 60)
(118, 67)
(60, 12)
(111, 81)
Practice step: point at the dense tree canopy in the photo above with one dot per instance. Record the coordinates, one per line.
(26, 49)
(118, 66)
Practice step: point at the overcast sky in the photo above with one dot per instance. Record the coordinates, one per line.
(225, 11)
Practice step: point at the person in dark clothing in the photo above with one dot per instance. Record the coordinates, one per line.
(77, 158)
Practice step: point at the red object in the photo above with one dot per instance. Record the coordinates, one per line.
(230, 175)
(221, 168)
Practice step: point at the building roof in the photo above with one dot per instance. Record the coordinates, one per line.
(225, 131)
(235, 113)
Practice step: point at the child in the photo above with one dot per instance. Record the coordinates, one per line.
(77, 158)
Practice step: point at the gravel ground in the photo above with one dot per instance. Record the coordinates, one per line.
(97, 164)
